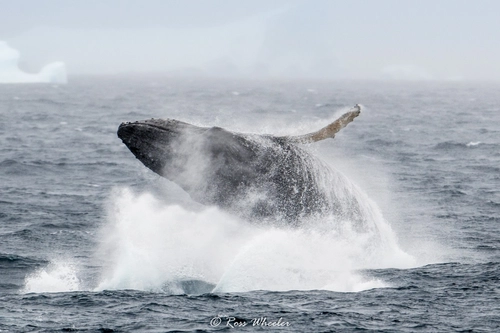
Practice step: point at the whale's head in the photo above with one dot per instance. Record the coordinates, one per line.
(156, 142)
(209, 163)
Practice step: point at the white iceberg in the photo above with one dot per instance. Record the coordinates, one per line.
(10, 73)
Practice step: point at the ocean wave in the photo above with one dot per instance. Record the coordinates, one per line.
(451, 145)
(19, 261)
(384, 142)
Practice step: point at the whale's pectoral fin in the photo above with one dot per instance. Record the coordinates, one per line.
(328, 131)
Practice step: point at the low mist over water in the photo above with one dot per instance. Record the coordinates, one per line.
(320, 39)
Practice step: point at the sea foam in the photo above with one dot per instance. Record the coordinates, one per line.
(58, 276)
(153, 245)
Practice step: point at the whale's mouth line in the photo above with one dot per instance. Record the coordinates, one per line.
(143, 123)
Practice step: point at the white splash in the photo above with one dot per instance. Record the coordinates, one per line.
(150, 245)
(10, 73)
(59, 276)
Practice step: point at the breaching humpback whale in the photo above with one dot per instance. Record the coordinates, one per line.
(254, 176)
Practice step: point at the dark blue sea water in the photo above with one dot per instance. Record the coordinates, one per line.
(92, 240)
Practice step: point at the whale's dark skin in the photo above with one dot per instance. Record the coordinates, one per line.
(254, 176)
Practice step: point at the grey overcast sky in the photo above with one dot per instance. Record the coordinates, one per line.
(328, 39)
